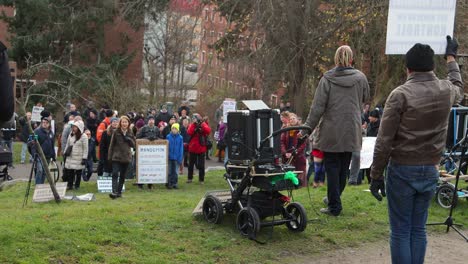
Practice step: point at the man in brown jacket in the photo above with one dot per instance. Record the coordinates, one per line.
(336, 112)
(411, 140)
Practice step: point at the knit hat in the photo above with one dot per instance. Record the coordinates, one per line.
(375, 113)
(114, 119)
(420, 58)
(74, 113)
(109, 113)
(150, 117)
(80, 125)
(176, 126)
(173, 117)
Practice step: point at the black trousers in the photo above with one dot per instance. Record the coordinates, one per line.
(336, 166)
(199, 159)
(119, 171)
(73, 176)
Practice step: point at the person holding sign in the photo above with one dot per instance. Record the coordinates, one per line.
(176, 154)
(411, 140)
(120, 154)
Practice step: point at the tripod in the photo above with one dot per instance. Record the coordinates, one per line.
(449, 222)
(33, 169)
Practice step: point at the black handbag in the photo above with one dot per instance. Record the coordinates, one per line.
(68, 151)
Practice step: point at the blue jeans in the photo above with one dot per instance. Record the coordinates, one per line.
(173, 176)
(24, 150)
(409, 192)
(40, 172)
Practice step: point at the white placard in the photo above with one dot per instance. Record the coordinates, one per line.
(36, 113)
(367, 152)
(419, 21)
(104, 184)
(228, 105)
(152, 161)
(43, 193)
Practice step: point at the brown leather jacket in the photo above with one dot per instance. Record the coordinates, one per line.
(413, 129)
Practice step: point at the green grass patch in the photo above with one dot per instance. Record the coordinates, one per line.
(158, 227)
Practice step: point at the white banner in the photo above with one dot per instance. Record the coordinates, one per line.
(367, 152)
(419, 21)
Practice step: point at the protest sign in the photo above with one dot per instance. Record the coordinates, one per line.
(104, 184)
(228, 105)
(367, 152)
(36, 113)
(419, 21)
(152, 161)
(43, 193)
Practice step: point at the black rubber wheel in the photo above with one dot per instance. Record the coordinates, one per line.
(445, 194)
(248, 222)
(213, 210)
(298, 216)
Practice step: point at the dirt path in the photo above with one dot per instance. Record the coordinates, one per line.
(442, 248)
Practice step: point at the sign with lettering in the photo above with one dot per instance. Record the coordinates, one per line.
(43, 193)
(104, 184)
(228, 105)
(419, 21)
(36, 113)
(152, 161)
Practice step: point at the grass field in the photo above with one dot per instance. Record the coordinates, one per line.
(158, 227)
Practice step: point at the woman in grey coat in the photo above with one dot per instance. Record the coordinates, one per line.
(75, 162)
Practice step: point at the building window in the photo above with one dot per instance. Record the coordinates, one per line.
(213, 13)
(203, 34)
(203, 57)
(210, 80)
(217, 83)
(230, 84)
(223, 83)
(212, 33)
(220, 35)
(254, 92)
(206, 14)
(274, 100)
(210, 58)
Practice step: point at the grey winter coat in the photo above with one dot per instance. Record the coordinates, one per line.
(79, 152)
(120, 146)
(336, 110)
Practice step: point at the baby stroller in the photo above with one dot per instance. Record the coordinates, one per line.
(446, 190)
(255, 195)
(6, 158)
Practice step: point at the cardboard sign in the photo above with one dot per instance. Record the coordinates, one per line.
(152, 161)
(36, 113)
(419, 21)
(43, 193)
(104, 184)
(367, 152)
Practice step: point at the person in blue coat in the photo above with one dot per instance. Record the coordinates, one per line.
(176, 154)
(46, 138)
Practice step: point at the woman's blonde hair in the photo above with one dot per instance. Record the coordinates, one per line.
(344, 56)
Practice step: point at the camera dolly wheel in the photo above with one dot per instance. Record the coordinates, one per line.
(248, 222)
(213, 210)
(444, 196)
(297, 214)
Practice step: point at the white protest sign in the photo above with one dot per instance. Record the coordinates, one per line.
(43, 193)
(152, 161)
(367, 152)
(104, 184)
(228, 105)
(36, 113)
(419, 21)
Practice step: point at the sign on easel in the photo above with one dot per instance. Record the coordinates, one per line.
(36, 113)
(426, 22)
(152, 161)
(43, 193)
(228, 106)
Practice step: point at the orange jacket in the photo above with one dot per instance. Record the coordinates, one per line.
(101, 128)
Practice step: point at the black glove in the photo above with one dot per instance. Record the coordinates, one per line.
(452, 47)
(83, 161)
(375, 186)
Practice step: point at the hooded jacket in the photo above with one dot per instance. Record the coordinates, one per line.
(120, 146)
(336, 110)
(79, 150)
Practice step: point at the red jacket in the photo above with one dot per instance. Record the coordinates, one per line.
(101, 128)
(194, 143)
